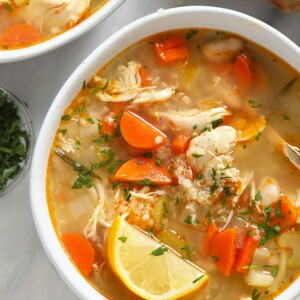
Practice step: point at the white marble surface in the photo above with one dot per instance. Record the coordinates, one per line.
(25, 271)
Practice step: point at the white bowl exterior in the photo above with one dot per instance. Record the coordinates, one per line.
(61, 39)
(187, 17)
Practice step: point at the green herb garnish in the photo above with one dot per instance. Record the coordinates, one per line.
(159, 251)
(255, 294)
(196, 155)
(66, 117)
(14, 142)
(198, 278)
(186, 249)
(190, 34)
(146, 182)
(123, 238)
(188, 220)
(269, 232)
(258, 136)
(254, 104)
(8, 7)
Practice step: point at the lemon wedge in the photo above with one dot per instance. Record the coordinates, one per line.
(148, 268)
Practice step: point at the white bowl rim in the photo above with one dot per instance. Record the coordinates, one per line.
(63, 38)
(142, 28)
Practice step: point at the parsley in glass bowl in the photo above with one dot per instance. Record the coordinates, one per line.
(16, 141)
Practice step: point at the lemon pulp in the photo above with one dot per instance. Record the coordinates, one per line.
(150, 269)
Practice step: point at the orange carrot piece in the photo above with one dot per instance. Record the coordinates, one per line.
(250, 243)
(212, 231)
(80, 250)
(144, 77)
(20, 34)
(285, 213)
(223, 250)
(173, 49)
(180, 143)
(118, 107)
(142, 168)
(140, 134)
(242, 72)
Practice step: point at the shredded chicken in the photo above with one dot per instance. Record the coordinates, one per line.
(127, 86)
(193, 120)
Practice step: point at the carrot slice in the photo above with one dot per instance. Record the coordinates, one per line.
(285, 214)
(223, 250)
(173, 49)
(20, 34)
(212, 231)
(142, 168)
(144, 77)
(80, 250)
(180, 143)
(242, 72)
(140, 134)
(250, 243)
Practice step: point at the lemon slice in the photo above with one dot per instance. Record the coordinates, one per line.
(149, 269)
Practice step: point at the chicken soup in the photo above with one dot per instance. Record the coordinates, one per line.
(175, 171)
(24, 23)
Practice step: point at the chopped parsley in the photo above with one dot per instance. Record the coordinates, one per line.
(244, 146)
(186, 249)
(255, 294)
(198, 278)
(285, 117)
(257, 197)
(66, 117)
(83, 85)
(269, 232)
(215, 258)
(123, 238)
(90, 120)
(148, 154)
(247, 212)
(177, 200)
(199, 176)
(14, 141)
(216, 123)
(196, 155)
(83, 178)
(77, 110)
(158, 161)
(146, 182)
(278, 211)
(77, 144)
(190, 34)
(213, 188)
(258, 136)
(165, 208)
(189, 220)
(227, 191)
(254, 104)
(63, 131)
(8, 7)
(128, 197)
(115, 184)
(159, 251)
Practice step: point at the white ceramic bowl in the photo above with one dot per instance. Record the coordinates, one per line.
(187, 17)
(61, 39)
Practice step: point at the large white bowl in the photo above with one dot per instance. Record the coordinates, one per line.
(61, 39)
(187, 17)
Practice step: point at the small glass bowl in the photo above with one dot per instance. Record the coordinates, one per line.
(26, 125)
